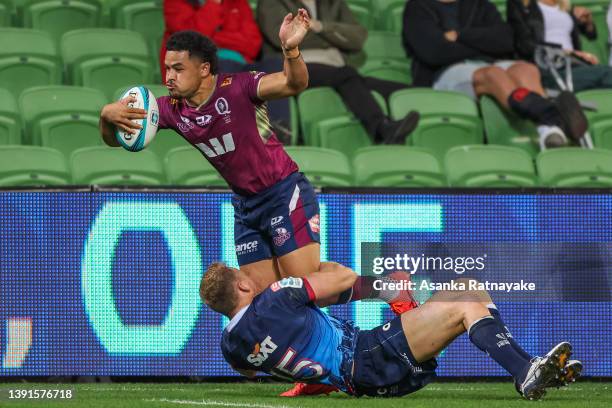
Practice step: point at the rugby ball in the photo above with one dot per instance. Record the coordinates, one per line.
(144, 100)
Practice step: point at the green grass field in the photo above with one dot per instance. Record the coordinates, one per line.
(440, 394)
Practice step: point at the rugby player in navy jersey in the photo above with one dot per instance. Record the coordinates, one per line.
(282, 331)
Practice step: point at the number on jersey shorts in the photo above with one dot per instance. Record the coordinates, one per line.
(276, 221)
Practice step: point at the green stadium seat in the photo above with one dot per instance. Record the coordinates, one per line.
(392, 17)
(600, 119)
(448, 119)
(32, 166)
(323, 167)
(144, 16)
(599, 46)
(384, 45)
(489, 166)
(106, 59)
(503, 127)
(343, 134)
(10, 122)
(397, 166)
(390, 70)
(6, 13)
(59, 17)
(167, 140)
(62, 117)
(575, 167)
(105, 165)
(362, 13)
(186, 166)
(382, 102)
(316, 105)
(27, 58)
(294, 117)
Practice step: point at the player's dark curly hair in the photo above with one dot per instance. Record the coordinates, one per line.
(197, 44)
(217, 288)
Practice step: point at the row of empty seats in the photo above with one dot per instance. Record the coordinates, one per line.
(448, 119)
(488, 166)
(66, 118)
(104, 59)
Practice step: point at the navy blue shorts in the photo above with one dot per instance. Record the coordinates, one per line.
(276, 221)
(384, 365)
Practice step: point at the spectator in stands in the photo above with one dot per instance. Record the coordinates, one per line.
(334, 34)
(465, 46)
(229, 23)
(538, 22)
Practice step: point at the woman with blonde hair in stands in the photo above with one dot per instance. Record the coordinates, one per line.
(558, 23)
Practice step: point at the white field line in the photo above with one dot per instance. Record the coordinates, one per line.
(216, 403)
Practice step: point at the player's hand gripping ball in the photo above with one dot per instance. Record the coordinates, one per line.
(142, 98)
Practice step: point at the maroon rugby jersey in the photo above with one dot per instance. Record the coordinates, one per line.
(233, 132)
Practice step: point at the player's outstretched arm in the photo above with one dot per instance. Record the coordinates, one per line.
(119, 115)
(330, 281)
(294, 78)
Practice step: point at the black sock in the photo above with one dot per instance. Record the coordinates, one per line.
(489, 336)
(530, 105)
(495, 313)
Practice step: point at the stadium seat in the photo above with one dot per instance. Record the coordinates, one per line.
(362, 13)
(575, 167)
(115, 166)
(384, 45)
(600, 119)
(32, 166)
(106, 59)
(323, 167)
(390, 70)
(315, 105)
(382, 102)
(294, 117)
(489, 166)
(59, 17)
(397, 166)
(343, 134)
(599, 46)
(448, 119)
(62, 117)
(186, 166)
(27, 58)
(167, 140)
(503, 127)
(392, 17)
(6, 13)
(10, 122)
(144, 16)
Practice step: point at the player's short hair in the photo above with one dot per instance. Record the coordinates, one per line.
(196, 44)
(217, 288)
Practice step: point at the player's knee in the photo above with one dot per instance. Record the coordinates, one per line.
(524, 69)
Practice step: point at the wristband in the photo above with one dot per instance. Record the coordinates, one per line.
(293, 53)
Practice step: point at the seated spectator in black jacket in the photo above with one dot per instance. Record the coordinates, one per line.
(538, 22)
(334, 32)
(465, 46)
